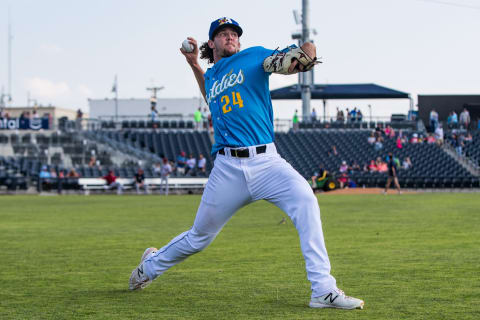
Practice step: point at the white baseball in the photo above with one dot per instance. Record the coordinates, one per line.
(187, 46)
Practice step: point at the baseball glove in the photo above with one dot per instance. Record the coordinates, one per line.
(280, 62)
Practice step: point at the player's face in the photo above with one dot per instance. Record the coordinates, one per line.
(226, 43)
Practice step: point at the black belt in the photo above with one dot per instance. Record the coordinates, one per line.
(244, 152)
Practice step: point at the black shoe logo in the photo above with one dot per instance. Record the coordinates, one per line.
(330, 295)
(140, 271)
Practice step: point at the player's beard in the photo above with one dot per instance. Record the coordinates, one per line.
(228, 53)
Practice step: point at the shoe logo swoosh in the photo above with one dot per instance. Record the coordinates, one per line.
(140, 271)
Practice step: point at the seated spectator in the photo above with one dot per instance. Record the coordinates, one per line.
(355, 167)
(343, 180)
(468, 137)
(379, 144)
(73, 174)
(92, 162)
(414, 139)
(343, 167)
(371, 139)
(181, 162)
(191, 164)
(372, 167)
(202, 164)
(112, 183)
(381, 166)
(389, 132)
(140, 182)
(399, 143)
(430, 138)
(407, 163)
(333, 152)
(157, 169)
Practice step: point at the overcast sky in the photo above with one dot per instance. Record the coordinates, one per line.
(67, 51)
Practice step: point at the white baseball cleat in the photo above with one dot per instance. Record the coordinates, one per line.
(138, 279)
(336, 299)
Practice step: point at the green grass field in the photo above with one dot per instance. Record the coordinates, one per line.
(70, 257)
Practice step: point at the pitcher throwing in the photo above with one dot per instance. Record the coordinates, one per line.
(236, 89)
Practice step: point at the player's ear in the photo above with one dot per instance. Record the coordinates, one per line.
(211, 44)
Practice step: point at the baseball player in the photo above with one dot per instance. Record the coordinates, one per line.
(236, 89)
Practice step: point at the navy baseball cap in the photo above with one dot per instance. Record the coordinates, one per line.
(223, 22)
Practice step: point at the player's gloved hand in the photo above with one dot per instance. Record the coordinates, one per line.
(192, 57)
(310, 50)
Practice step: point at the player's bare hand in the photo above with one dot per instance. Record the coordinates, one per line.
(192, 57)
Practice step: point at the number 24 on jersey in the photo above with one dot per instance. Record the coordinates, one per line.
(236, 101)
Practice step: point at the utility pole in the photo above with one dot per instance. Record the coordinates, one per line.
(305, 79)
(10, 38)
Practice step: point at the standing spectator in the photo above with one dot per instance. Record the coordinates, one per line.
(433, 120)
(343, 180)
(112, 183)
(378, 144)
(392, 174)
(353, 115)
(458, 143)
(349, 116)
(359, 116)
(313, 116)
(78, 120)
(140, 182)
(181, 161)
(399, 143)
(197, 117)
(191, 164)
(295, 121)
(153, 115)
(389, 132)
(165, 173)
(205, 119)
(465, 119)
(202, 165)
(340, 116)
(439, 135)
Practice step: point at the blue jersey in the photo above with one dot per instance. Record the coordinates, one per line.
(238, 94)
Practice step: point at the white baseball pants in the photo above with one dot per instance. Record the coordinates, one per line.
(236, 182)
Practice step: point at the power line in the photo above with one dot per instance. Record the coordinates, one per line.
(452, 4)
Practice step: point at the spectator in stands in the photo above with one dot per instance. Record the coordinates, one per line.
(372, 167)
(353, 115)
(202, 165)
(399, 143)
(157, 169)
(78, 120)
(333, 151)
(191, 164)
(154, 115)
(349, 116)
(165, 173)
(340, 116)
(35, 114)
(73, 174)
(378, 144)
(430, 138)
(181, 161)
(343, 180)
(414, 138)
(407, 163)
(343, 167)
(205, 119)
(392, 174)
(44, 179)
(468, 137)
(381, 166)
(355, 167)
(452, 120)
(112, 182)
(371, 139)
(92, 162)
(458, 143)
(389, 132)
(359, 116)
(295, 121)
(197, 117)
(313, 115)
(433, 120)
(439, 134)
(465, 119)
(139, 181)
